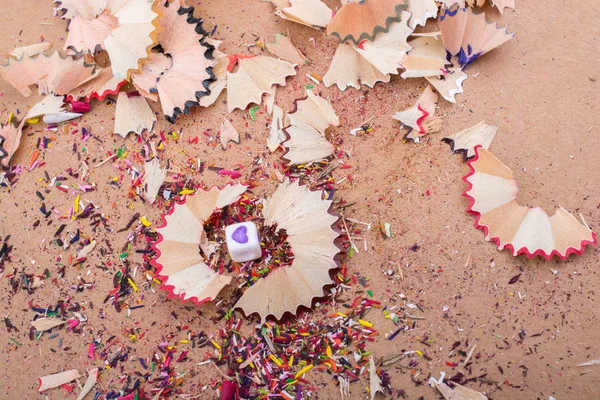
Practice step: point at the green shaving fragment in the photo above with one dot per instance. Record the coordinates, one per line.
(252, 112)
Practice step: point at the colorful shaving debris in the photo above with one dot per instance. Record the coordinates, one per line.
(276, 251)
(281, 360)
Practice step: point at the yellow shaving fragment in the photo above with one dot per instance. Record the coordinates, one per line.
(132, 284)
(76, 205)
(303, 371)
(365, 323)
(275, 360)
(145, 222)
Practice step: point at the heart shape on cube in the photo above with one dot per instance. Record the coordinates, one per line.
(240, 235)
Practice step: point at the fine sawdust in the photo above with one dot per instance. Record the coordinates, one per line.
(540, 89)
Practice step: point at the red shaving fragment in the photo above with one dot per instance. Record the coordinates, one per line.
(232, 174)
(421, 118)
(234, 59)
(80, 106)
(67, 387)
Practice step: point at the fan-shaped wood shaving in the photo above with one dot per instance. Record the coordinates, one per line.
(370, 62)
(308, 125)
(10, 139)
(283, 48)
(313, 13)
(50, 104)
(358, 21)
(52, 73)
(427, 57)
(89, 24)
(500, 4)
(219, 70)
(89, 383)
(466, 140)
(31, 50)
(47, 323)
(228, 133)
(314, 111)
(269, 100)
(421, 11)
(389, 48)
(449, 84)
(179, 264)
(129, 45)
(154, 177)
(100, 86)
(467, 35)
(420, 118)
(183, 73)
(56, 380)
(127, 29)
(146, 80)
(133, 114)
(87, 9)
(350, 69)
(374, 379)
(492, 193)
(254, 77)
(305, 145)
(306, 218)
(276, 133)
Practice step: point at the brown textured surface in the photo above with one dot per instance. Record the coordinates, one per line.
(540, 88)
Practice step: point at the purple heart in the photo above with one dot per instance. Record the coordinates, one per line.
(239, 235)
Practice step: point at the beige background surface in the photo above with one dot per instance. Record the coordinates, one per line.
(541, 89)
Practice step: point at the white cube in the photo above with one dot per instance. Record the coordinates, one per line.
(243, 242)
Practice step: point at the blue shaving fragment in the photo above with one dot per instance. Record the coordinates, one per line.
(462, 57)
(393, 335)
(450, 13)
(75, 238)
